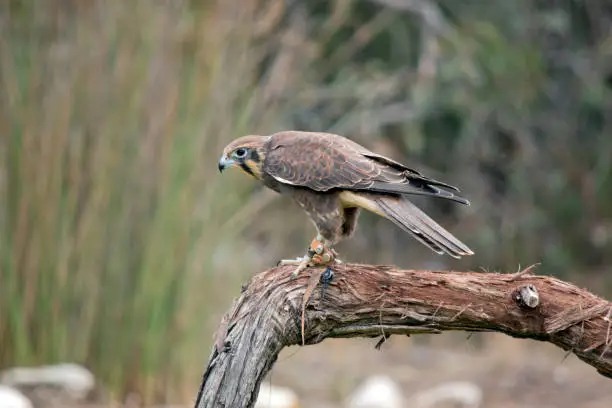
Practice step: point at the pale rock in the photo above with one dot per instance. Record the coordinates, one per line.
(272, 396)
(455, 393)
(12, 398)
(76, 380)
(376, 392)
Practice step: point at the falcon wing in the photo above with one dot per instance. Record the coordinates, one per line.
(324, 162)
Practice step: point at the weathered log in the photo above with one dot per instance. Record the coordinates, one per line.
(372, 301)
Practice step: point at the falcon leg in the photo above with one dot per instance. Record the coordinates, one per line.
(304, 263)
(324, 253)
(318, 254)
(301, 262)
(297, 261)
(327, 254)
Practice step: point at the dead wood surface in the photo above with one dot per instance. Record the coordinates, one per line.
(377, 301)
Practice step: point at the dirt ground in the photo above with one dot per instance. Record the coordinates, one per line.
(511, 373)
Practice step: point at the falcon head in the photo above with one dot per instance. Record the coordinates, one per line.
(247, 153)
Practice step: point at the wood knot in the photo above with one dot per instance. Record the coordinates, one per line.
(527, 296)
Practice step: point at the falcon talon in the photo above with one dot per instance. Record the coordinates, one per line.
(303, 264)
(323, 259)
(296, 272)
(284, 262)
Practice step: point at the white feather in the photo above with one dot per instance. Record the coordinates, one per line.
(282, 180)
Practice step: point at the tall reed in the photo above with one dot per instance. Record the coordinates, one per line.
(114, 114)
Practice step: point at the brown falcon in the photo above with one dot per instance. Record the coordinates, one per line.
(332, 178)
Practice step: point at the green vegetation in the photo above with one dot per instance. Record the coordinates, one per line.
(111, 208)
(119, 243)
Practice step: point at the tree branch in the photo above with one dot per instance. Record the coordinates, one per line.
(372, 301)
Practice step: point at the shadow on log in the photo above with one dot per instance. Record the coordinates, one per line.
(378, 301)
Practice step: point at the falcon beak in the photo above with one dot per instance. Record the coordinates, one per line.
(224, 163)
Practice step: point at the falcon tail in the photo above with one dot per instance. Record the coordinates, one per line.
(411, 219)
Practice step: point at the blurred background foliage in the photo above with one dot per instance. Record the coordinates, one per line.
(119, 243)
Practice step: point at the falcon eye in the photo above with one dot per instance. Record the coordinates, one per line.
(240, 153)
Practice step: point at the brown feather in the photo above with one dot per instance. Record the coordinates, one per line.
(411, 219)
(249, 141)
(251, 167)
(326, 162)
(255, 168)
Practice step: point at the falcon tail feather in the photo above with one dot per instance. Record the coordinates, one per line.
(406, 188)
(411, 219)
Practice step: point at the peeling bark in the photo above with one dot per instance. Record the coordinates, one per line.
(373, 301)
